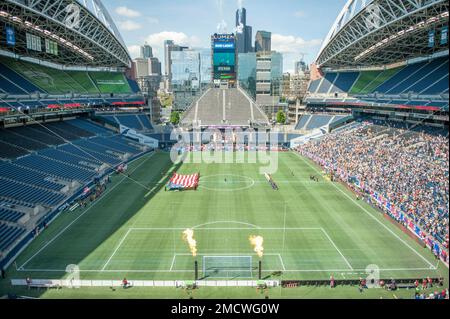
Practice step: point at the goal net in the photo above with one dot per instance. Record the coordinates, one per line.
(227, 267)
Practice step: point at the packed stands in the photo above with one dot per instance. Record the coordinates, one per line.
(407, 167)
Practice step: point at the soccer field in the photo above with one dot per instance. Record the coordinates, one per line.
(311, 229)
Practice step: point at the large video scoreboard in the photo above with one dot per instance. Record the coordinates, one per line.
(224, 57)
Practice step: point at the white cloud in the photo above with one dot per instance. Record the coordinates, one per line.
(292, 44)
(294, 47)
(135, 51)
(157, 39)
(129, 25)
(127, 12)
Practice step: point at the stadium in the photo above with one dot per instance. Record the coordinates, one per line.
(350, 202)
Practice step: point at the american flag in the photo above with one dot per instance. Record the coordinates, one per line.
(184, 181)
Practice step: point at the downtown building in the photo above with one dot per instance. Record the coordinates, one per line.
(263, 41)
(191, 73)
(244, 32)
(269, 79)
(169, 47)
(147, 71)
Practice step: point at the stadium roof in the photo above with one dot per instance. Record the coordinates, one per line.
(85, 33)
(381, 32)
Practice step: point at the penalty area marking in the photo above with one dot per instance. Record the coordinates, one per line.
(86, 211)
(225, 228)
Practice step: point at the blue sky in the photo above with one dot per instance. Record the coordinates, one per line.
(298, 26)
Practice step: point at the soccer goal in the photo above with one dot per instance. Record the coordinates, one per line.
(222, 267)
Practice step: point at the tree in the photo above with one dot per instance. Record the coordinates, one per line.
(175, 118)
(281, 117)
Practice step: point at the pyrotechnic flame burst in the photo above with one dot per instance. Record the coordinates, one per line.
(188, 236)
(257, 243)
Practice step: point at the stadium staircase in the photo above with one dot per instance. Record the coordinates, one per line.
(224, 107)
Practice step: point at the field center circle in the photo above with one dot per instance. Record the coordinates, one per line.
(226, 182)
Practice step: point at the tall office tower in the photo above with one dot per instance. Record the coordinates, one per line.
(154, 66)
(263, 41)
(300, 67)
(146, 52)
(169, 47)
(244, 33)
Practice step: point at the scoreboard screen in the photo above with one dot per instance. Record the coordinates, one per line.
(224, 56)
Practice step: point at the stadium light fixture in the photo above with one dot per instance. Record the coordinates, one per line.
(47, 33)
(401, 33)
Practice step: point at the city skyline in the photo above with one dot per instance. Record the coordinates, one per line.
(295, 26)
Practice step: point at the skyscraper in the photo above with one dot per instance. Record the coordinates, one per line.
(244, 33)
(300, 67)
(169, 47)
(146, 52)
(263, 41)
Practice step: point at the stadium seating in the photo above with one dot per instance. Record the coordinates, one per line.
(29, 194)
(313, 86)
(134, 86)
(27, 176)
(138, 122)
(327, 83)
(8, 235)
(91, 127)
(13, 83)
(310, 122)
(302, 122)
(51, 163)
(408, 169)
(9, 215)
(415, 77)
(108, 82)
(422, 78)
(20, 77)
(344, 82)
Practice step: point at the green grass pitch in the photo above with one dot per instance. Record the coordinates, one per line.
(311, 230)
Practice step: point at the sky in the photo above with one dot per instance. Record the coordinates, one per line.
(298, 26)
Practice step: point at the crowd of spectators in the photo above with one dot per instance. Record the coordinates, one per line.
(408, 166)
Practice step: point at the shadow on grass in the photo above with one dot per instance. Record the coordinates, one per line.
(93, 229)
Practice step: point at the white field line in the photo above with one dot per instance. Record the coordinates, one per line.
(81, 215)
(282, 263)
(173, 262)
(115, 250)
(347, 271)
(338, 250)
(221, 228)
(371, 215)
